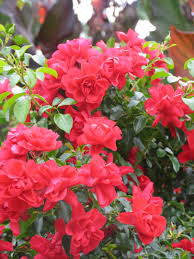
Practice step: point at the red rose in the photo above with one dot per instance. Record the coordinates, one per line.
(100, 132)
(146, 214)
(50, 247)
(85, 231)
(167, 105)
(22, 140)
(102, 178)
(85, 86)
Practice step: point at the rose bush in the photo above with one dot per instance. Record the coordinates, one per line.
(97, 161)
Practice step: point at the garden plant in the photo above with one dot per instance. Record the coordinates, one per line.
(97, 150)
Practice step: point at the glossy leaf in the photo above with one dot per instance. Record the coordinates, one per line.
(9, 102)
(21, 109)
(48, 70)
(175, 163)
(67, 101)
(139, 123)
(64, 121)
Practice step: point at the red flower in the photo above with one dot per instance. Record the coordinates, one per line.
(85, 85)
(177, 190)
(102, 178)
(132, 40)
(73, 52)
(167, 105)
(114, 65)
(4, 245)
(85, 231)
(146, 214)
(188, 149)
(100, 132)
(137, 250)
(15, 183)
(185, 244)
(79, 119)
(50, 247)
(22, 140)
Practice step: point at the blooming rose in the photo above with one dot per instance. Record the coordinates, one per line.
(50, 247)
(85, 231)
(85, 85)
(167, 105)
(146, 214)
(22, 140)
(102, 178)
(100, 132)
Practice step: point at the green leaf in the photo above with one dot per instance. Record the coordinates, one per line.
(110, 42)
(21, 109)
(175, 163)
(40, 97)
(31, 77)
(20, 3)
(14, 47)
(7, 68)
(48, 70)
(40, 76)
(56, 101)
(189, 64)
(68, 101)
(20, 39)
(39, 59)
(172, 79)
(148, 43)
(169, 62)
(139, 123)
(159, 75)
(134, 177)
(179, 205)
(160, 152)
(5, 50)
(14, 79)
(22, 51)
(4, 95)
(27, 58)
(64, 121)
(168, 150)
(44, 108)
(10, 28)
(9, 102)
(2, 28)
(189, 102)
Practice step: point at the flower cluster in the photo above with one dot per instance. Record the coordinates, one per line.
(30, 179)
(167, 105)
